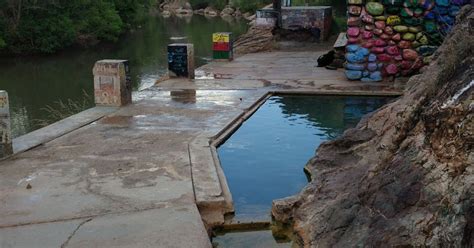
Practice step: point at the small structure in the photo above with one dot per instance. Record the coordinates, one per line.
(181, 60)
(222, 46)
(5, 129)
(317, 19)
(112, 83)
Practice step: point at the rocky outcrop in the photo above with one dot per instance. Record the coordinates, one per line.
(404, 176)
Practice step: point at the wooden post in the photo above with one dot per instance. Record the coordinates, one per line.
(112, 83)
(6, 148)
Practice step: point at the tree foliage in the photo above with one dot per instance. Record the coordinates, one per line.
(45, 26)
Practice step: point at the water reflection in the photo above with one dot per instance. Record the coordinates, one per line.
(183, 96)
(264, 159)
(34, 82)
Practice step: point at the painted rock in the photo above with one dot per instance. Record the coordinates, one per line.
(427, 50)
(405, 65)
(444, 3)
(430, 27)
(355, 67)
(391, 69)
(368, 18)
(358, 2)
(384, 57)
(401, 28)
(385, 37)
(369, 27)
(381, 18)
(352, 48)
(393, 50)
(369, 44)
(367, 34)
(377, 50)
(378, 31)
(413, 29)
(397, 37)
(398, 58)
(388, 30)
(372, 57)
(380, 43)
(408, 36)
(353, 21)
(352, 40)
(391, 43)
(415, 44)
(353, 75)
(394, 20)
(354, 10)
(376, 76)
(374, 8)
(410, 54)
(372, 66)
(404, 44)
(354, 58)
(362, 52)
(353, 32)
(365, 73)
(380, 24)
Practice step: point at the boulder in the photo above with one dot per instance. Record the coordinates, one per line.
(374, 8)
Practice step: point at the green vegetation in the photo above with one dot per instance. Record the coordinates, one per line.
(31, 26)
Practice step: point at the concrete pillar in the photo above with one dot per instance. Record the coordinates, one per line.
(5, 129)
(181, 60)
(112, 83)
(222, 46)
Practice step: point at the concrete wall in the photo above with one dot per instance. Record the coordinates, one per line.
(316, 18)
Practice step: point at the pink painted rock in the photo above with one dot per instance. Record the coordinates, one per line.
(398, 58)
(385, 37)
(368, 44)
(384, 57)
(353, 31)
(380, 43)
(391, 69)
(405, 64)
(369, 27)
(404, 44)
(418, 64)
(393, 50)
(410, 54)
(368, 18)
(397, 37)
(353, 21)
(377, 50)
(378, 31)
(367, 34)
(391, 43)
(380, 24)
(352, 40)
(388, 30)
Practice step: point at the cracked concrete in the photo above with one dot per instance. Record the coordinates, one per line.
(124, 178)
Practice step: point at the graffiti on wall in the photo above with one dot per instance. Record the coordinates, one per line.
(392, 38)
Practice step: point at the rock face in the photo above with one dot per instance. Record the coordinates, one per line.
(404, 176)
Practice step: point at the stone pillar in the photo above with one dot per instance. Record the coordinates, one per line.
(6, 148)
(222, 46)
(112, 83)
(181, 60)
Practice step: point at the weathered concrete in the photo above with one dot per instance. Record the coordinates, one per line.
(112, 85)
(137, 176)
(5, 129)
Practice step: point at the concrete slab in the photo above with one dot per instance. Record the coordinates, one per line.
(167, 227)
(39, 235)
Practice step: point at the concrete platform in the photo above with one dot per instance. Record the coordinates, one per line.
(143, 175)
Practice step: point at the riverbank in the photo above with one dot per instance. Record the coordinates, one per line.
(111, 181)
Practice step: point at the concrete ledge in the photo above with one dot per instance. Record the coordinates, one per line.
(60, 128)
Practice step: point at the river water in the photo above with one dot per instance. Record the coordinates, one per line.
(33, 83)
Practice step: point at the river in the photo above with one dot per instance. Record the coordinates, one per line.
(33, 83)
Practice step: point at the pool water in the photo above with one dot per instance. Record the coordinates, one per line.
(264, 159)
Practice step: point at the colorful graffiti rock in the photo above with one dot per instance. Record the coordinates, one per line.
(400, 35)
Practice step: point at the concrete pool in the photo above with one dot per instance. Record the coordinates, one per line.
(264, 158)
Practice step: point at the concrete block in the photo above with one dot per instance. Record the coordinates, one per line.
(112, 83)
(318, 19)
(181, 60)
(5, 128)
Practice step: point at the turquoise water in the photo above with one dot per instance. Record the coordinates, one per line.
(264, 159)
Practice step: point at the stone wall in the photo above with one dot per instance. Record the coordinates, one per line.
(392, 38)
